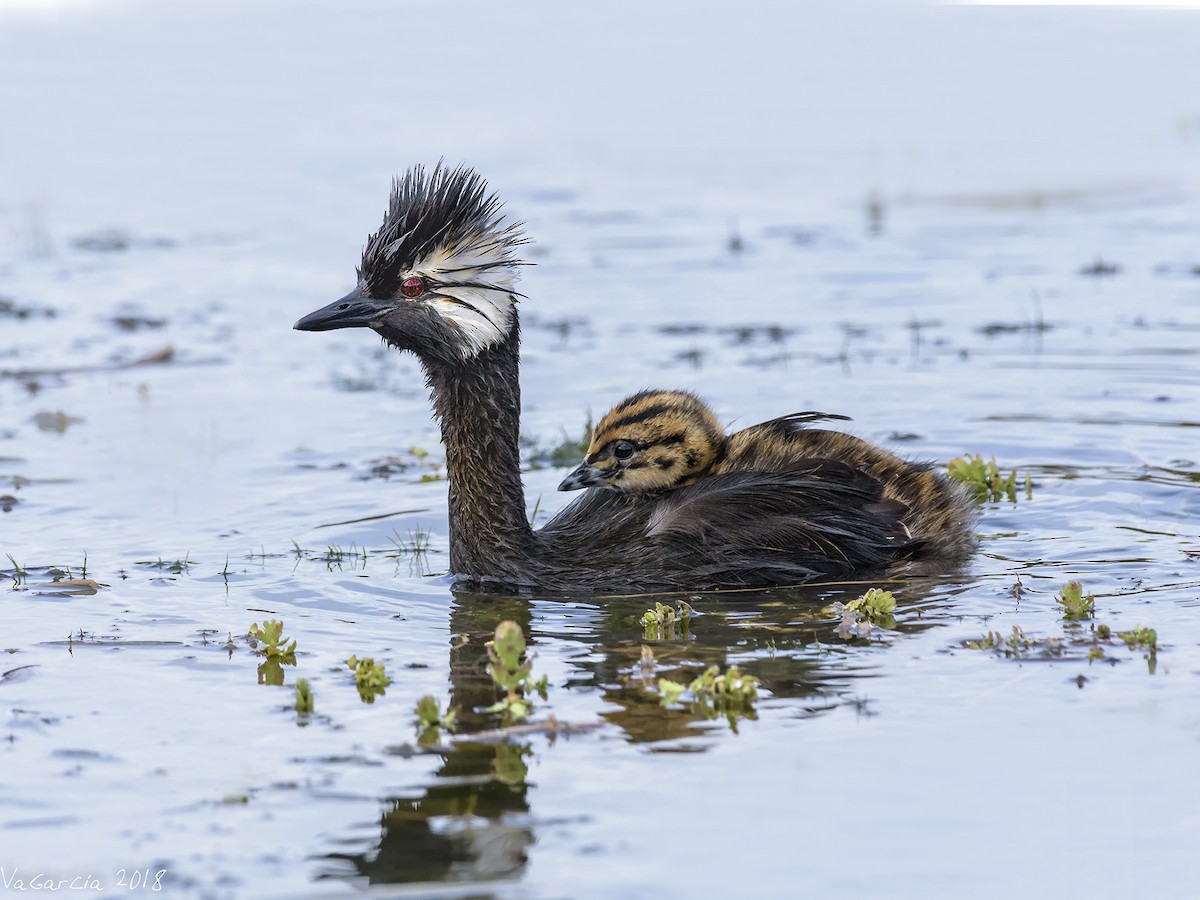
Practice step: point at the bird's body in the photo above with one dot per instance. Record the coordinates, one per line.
(438, 278)
(657, 442)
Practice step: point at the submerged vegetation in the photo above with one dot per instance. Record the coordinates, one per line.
(178, 567)
(1076, 607)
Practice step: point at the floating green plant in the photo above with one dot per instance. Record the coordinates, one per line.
(1015, 644)
(1075, 605)
(304, 697)
(511, 673)
(1020, 645)
(270, 635)
(661, 621)
(1144, 639)
(268, 641)
(986, 480)
(670, 691)
(862, 615)
(731, 693)
(431, 719)
(369, 677)
(875, 606)
(1140, 638)
(509, 766)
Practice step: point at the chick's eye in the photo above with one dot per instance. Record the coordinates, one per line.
(412, 287)
(623, 450)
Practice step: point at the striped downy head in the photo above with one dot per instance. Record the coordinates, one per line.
(652, 441)
(438, 276)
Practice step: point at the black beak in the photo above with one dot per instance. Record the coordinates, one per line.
(583, 477)
(355, 310)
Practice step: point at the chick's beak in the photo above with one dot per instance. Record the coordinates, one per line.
(583, 477)
(355, 310)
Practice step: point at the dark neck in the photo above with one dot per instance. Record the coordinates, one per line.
(478, 403)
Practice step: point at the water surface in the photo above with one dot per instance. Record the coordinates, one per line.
(972, 230)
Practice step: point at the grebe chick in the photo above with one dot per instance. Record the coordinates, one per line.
(438, 279)
(659, 440)
(656, 441)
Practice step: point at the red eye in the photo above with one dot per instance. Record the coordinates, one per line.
(412, 287)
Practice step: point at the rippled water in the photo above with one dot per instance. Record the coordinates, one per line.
(972, 230)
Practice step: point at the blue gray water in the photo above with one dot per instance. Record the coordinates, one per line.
(970, 229)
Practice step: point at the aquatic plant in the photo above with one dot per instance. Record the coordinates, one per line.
(431, 719)
(1015, 645)
(416, 544)
(178, 567)
(509, 766)
(1140, 638)
(567, 452)
(862, 615)
(731, 693)
(670, 692)
(270, 635)
(369, 677)
(1074, 604)
(1020, 645)
(335, 555)
(304, 697)
(985, 479)
(662, 619)
(511, 673)
(875, 606)
(1144, 639)
(278, 653)
(19, 575)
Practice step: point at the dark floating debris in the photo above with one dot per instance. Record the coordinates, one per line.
(57, 422)
(1100, 269)
(134, 322)
(745, 334)
(876, 213)
(562, 326)
(116, 240)
(164, 354)
(10, 309)
(996, 328)
(1178, 269)
(735, 243)
(797, 234)
(683, 328)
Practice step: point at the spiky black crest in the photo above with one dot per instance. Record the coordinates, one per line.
(448, 210)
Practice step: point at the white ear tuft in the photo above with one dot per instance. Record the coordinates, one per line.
(475, 294)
